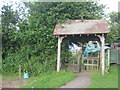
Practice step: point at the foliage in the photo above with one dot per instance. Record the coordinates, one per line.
(106, 81)
(9, 20)
(33, 45)
(9, 76)
(114, 28)
(50, 80)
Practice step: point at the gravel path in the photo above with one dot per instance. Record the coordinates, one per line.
(82, 81)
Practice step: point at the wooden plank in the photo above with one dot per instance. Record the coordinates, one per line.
(91, 58)
(72, 64)
(90, 64)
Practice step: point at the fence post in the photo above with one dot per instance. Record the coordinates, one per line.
(20, 75)
(108, 58)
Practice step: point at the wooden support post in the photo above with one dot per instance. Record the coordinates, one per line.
(58, 54)
(102, 39)
(108, 58)
(78, 63)
(99, 57)
(103, 54)
(87, 63)
(98, 62)
(19, 76)
(92, 63)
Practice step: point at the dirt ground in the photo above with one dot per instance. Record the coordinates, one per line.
(12, 83)
(82, 81)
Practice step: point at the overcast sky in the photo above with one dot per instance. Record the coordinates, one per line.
(112, 4)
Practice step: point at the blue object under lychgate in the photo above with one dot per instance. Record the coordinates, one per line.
(91, 48)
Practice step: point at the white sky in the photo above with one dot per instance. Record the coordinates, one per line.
(112, 4)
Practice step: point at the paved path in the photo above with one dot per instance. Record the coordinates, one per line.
(82, 81)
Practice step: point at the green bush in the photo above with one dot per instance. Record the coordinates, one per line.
(33, 46)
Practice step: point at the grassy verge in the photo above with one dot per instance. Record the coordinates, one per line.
(44, 80)
(50, 80)
(106, 81)
(9, 76)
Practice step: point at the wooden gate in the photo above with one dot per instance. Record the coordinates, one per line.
(80, 63)
(90, 63)
(74, 64)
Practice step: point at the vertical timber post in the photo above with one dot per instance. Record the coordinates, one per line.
(102, 52)
(100, 55)
(78, 62)
(19, 76)
(58, 53)
(108, 58)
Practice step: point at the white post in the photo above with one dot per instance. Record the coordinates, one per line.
(102, 39)
(58, 54)
(108, 58)
(103, 54)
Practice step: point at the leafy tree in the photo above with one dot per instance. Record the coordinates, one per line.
(114, 28)
(9, 19)
(37, 47)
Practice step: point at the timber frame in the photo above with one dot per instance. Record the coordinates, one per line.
(96, 36)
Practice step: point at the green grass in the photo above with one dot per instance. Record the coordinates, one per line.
(50, 80)
(9, 76)
(107, 81)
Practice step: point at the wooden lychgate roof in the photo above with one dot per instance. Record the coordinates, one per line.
(76, 27)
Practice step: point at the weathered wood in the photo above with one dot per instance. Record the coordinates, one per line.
(58, 54)
(73, 67)
(102, 52)
(87, 63)
(78, 63)
(108, 58)
(103, 55)
(91, 58)
(98, 62)
(90, 64)
(19, 76)
(72, 64)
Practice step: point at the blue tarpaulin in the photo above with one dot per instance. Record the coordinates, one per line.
(91, 48)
